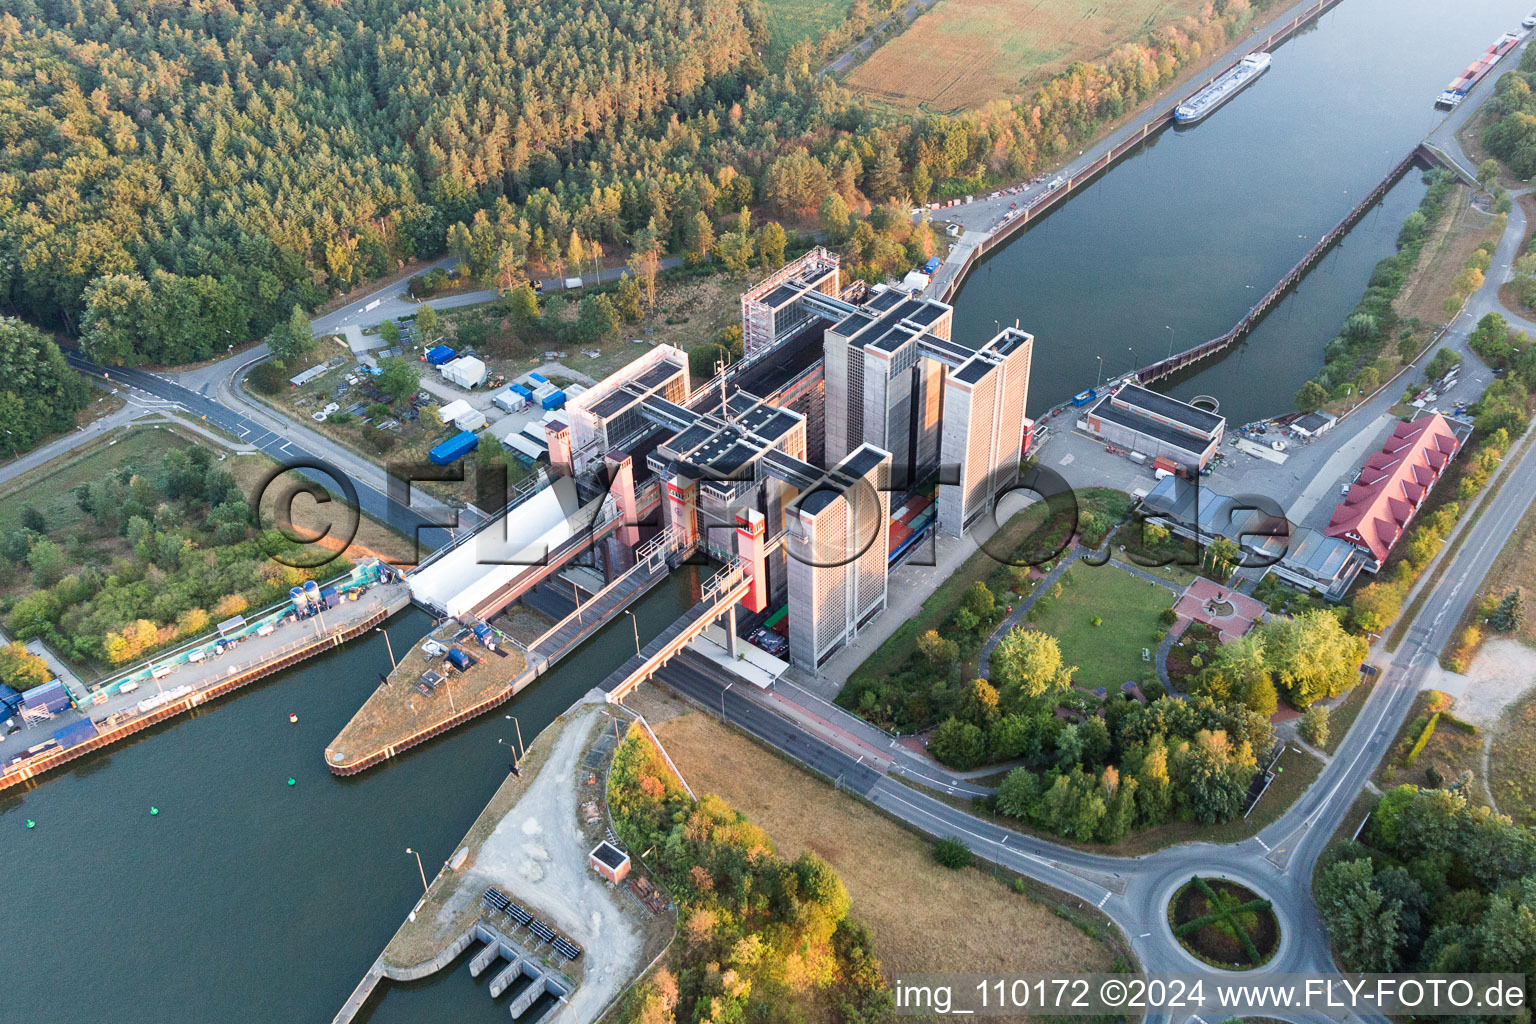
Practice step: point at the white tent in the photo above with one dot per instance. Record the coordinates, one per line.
(453, 410)
(474, 419)
(503, 550)
(465, 371)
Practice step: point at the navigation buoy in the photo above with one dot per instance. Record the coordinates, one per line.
(293, 717)
(292, 781)
(31, 823)
(154, 811)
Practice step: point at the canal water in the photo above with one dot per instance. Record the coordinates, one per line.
(1174, 244)
(245, 898)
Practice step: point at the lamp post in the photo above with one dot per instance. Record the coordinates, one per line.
(421, 870)
(575, 593)
(636, 624)
(722, 701)
(514, 767)
(388, 646)
(1098, 378)
(1169, 329)
(1134, 358)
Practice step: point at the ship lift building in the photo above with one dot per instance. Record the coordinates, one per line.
(847, 403)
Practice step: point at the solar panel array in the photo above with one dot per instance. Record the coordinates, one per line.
(496, 900)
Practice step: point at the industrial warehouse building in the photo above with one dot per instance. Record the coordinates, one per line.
(1155, 425)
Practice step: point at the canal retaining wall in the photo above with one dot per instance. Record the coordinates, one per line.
(281, 659)
(1421, 155)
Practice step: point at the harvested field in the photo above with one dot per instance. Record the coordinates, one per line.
(924, 917)
(965, 53)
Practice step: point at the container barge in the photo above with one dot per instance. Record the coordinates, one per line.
(1222, 89)
(1476, 72)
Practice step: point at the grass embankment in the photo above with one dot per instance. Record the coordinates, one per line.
(1421, 302)
(1295, 772)
(397, 709)
(322, 520)
(924, 917)
(1343, 714)
(1111, 653)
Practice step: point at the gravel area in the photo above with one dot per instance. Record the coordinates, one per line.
(1502, 671)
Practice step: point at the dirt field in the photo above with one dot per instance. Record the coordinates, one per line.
(924, 917)
(965, 53)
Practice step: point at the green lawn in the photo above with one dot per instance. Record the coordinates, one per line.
(790, 21)
(47, 487)
(1109, 654)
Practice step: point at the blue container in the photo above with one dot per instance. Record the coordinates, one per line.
(1084, 397)
(458, 659)
(50, 697)
(931, 265)
(554, 400)
(454, 449)
(522, 390)
(440, 355)
(538, 378)
(76, 733)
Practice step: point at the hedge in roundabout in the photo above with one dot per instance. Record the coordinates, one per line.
(1224, 924)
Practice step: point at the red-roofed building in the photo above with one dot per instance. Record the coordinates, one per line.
(1393, 485)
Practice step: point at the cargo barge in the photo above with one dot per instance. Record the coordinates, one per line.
(1222, 89)
(1462, 84)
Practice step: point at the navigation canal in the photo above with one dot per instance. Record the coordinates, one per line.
(244, 898)
(1174, 243)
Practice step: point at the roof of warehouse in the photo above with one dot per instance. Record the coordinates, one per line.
(1106, 410)
(1172, 408)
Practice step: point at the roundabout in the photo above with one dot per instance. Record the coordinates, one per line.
(1224, 924)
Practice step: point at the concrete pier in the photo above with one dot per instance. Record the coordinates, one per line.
(504, 980)
(529, 997)
(484, 959)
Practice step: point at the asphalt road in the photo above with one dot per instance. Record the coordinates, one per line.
(281, 444)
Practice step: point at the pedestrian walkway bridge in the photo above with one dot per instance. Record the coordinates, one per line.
(651, 567)
(722, 592)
